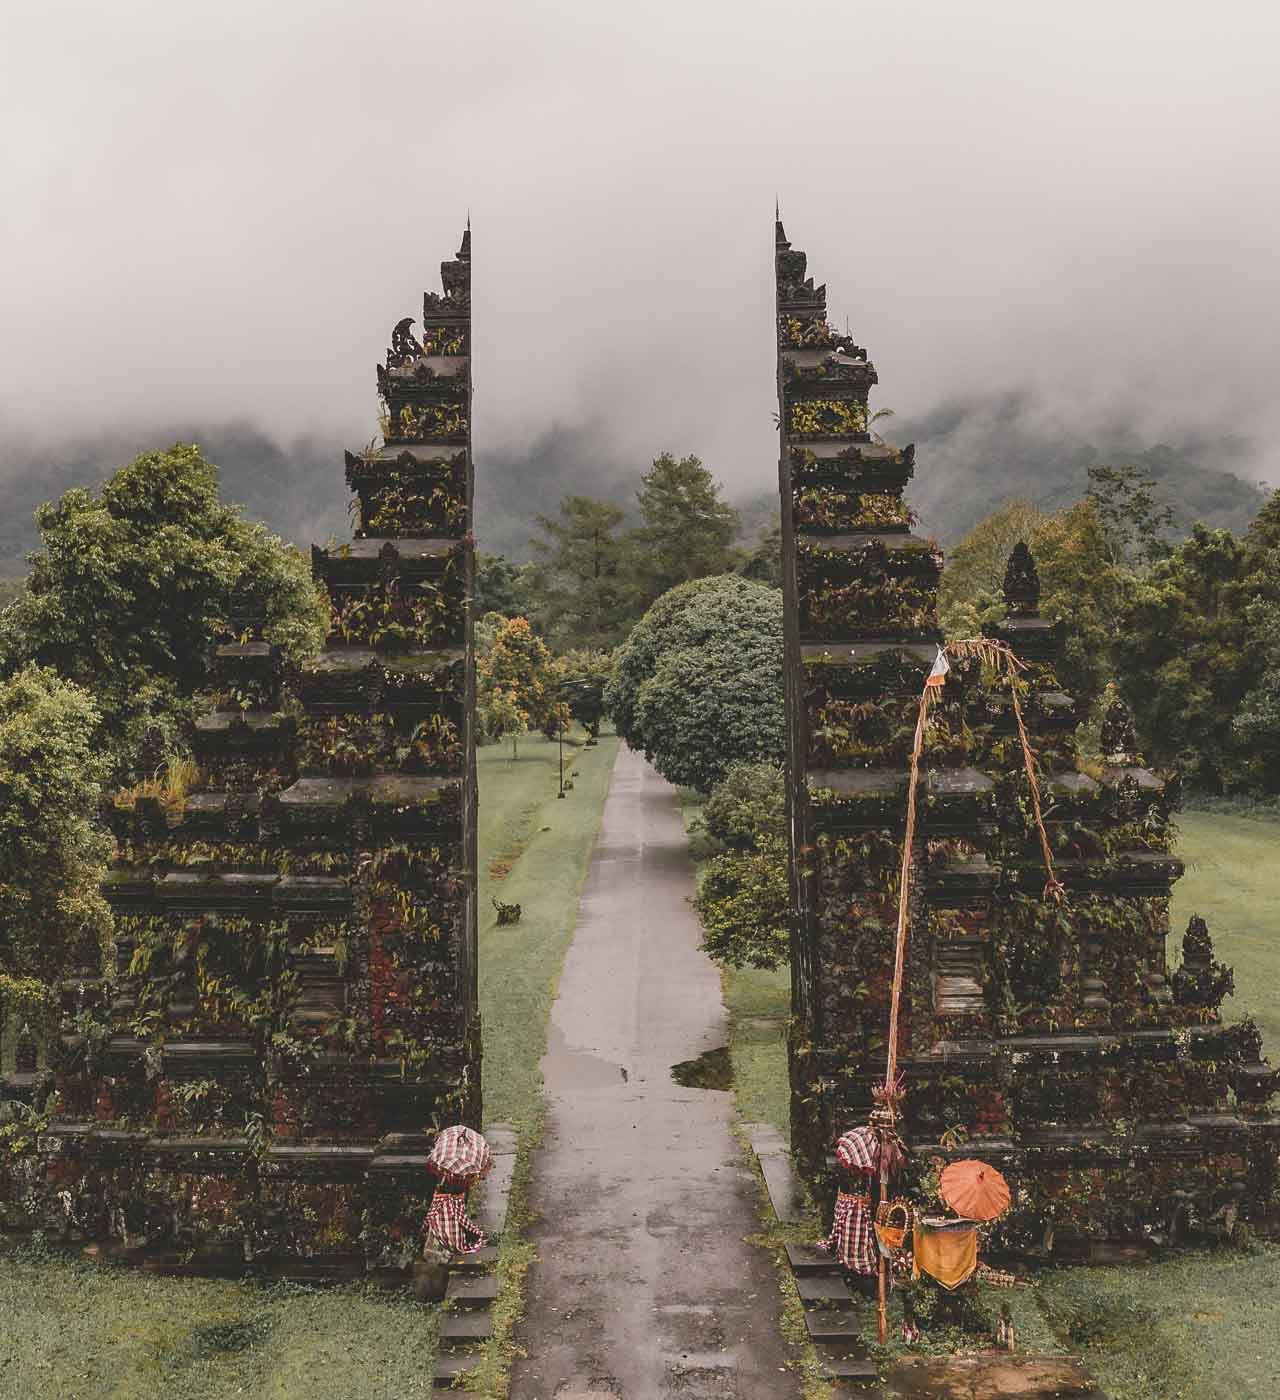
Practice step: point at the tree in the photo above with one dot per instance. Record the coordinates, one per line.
(502, 715)
(763, 562)
(500, 587)
(687, 530)
(1086, 593)
(1199, 656)
(1185, 660)
(1134, 519)
(698, 683)
(1257, 725)
(581, 588)
(581, 676)
(52, 855)
(131, 585)
(514, 684)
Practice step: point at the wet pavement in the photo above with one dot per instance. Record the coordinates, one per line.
(643, 1287)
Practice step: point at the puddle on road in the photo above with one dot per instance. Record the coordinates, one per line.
(711, 1070)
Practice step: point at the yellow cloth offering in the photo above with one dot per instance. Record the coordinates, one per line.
(948, 1255)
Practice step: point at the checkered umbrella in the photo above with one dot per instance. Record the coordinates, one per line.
(459, 1155)
(858, 1150)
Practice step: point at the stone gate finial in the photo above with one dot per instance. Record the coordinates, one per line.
(1201, 981)
(1022, 583)
(1119, 738)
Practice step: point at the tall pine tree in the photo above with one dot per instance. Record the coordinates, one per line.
(688, 531)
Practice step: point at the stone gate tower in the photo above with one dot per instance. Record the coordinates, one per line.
(294, 1008)
(1046, 1038)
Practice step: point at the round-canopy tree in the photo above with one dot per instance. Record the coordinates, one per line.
(698, 683)
(132, 584)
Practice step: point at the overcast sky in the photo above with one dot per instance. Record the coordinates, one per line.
(222, 209)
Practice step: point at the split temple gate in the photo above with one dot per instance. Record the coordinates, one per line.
(295, 991)
(1046, 1038)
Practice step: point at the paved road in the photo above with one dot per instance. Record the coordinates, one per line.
(643, 1287)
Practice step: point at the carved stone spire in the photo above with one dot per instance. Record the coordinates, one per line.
(1200, 981)
(1021, 583)
(1119, 739)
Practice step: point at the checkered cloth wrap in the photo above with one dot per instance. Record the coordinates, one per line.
(858, 1150)
(459, 1156)
(449, 1224)
(850, 1238)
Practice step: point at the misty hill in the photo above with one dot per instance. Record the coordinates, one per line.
(970, 457)
(297, 486)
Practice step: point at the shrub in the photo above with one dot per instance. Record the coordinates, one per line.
(745, 906)
(748, 803)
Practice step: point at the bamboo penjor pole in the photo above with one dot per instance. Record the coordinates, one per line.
(1002, 657)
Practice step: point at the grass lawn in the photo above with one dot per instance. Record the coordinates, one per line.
(1233, 883)
(80, 1332)
(1199, 1325)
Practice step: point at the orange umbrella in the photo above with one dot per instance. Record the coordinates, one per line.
(975, 1190)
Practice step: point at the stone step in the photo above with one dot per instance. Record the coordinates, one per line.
(492, 1213)
(462, 1329)
(806, 1259)
(848, 1363)
(786, 1193)
(453, 1364)
(822, 1288)
(836, 1325)
(475, 1291)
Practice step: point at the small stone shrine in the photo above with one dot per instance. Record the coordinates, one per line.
(294, 1002)
(1047, 1038)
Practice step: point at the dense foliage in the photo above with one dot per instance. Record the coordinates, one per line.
(133, 582)
(52, 855)
(1197, 657)
(698, 682)
(1189, 630)
(744, 895)
(498, 587)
